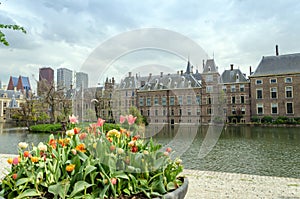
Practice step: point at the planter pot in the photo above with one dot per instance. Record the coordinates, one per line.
(177, 193)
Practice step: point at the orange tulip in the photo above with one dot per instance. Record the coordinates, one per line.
(81, 147)
(70, 167)
(34, 159)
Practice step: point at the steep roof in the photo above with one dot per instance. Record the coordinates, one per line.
(282, 64)
(210, 66)
(15, 81)
(172, 81)
(25, 82)
(233, 76)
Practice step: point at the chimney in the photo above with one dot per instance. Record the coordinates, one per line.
(161, 74)
(129, 74)
(250, 70)
(277, 51)
(181, 72)
(231, 66)
(113, 80)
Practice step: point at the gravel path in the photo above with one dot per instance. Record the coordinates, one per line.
(208, 184)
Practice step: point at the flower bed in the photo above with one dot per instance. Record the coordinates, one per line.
(93, 163)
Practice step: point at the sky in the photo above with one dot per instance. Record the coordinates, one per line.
(111, 38)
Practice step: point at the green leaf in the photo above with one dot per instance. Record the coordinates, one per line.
(59, 189)
(80, 186)
(28, 193)
(126, 191)
(159, 186)
(120, 174)
(171, 186)
(22, 181)
(82, 156)
(102, 194)
(88, 170)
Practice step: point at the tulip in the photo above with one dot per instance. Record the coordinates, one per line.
(73, 119)
(70, 167)
(27, 154)
(131, 119)
(100, 122)
(120, 151)
(15, 176)
(168, 149)
(70, 133)
(131, 143)
(134, 149)
(82, 136)
(112, 148)
(74, 152)
(42, 146)
(34, 159)
(122, 119)
(113, 181)
(76, 130)
(9, 160)
(23, 145)
(166, 153)
(81, 148)
(16, 161)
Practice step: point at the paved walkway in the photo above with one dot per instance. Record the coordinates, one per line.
(208, 184)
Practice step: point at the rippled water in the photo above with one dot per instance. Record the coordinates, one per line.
(250, 150)
(241, 149)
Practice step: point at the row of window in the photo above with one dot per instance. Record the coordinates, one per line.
(273, 92)
(234, 111)
(274, 108)
(274, 80)
(234, 88)
(164, 112)
(163, 101)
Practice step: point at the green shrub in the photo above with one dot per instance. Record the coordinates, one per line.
(45, 128)
(267, 119)
(255, 119)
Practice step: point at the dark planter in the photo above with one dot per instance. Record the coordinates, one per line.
(178, 193)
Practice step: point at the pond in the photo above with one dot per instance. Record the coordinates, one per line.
(238, 149)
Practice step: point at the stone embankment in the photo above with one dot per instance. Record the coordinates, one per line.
(209, 184)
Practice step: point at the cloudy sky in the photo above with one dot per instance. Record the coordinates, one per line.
(72, 33)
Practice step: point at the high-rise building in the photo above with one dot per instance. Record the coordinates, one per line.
(64, 78)
(82, 80)
(46, 73)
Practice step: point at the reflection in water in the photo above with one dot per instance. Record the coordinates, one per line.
(252, 150)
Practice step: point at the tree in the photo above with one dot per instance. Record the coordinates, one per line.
(56, 99)
(13, 27)
(27, 112)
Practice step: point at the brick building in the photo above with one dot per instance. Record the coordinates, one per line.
(236, 88)
(275, 87)
(171, 98)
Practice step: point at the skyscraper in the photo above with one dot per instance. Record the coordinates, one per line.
(64, 78)
(82, 80)
(46, 73)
